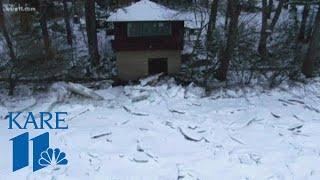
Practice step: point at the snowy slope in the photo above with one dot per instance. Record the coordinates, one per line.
(171, 132)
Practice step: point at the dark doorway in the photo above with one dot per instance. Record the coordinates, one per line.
(158, 65)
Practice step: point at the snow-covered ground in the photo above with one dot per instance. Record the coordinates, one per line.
(172, 132)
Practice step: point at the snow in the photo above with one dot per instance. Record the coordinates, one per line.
(176, 132)
(194, 19)
(143, 10)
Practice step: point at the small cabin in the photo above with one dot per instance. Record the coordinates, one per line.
(148, 39)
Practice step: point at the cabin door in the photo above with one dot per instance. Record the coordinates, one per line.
(158, 65)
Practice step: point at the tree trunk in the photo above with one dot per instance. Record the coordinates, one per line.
(67, 22)
(25, 21)
(6, 33)
(235, 10)
(12, 86)
(212, 20)
(313, 51)
(12, 55)
(262, 48)
(309, 26)
(277, 14)
(76, 18)
(91, 32)
(270, 8)
(265, 29)
(286, 4)
(298, 47)
(44, 28)
(302, 31)
(211, 43)
(227, 16)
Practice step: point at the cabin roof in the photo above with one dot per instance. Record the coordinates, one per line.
(144, 10)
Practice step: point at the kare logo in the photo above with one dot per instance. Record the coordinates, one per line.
(43, 155)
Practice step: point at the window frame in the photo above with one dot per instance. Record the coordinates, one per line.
(143, 34)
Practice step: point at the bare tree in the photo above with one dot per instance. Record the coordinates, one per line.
(12, 54)
(305, 15)
(92, 32)
(212, 20)
(44, 28)
(270, 7)
(262, 48)
(313, 50)
(67, 22)
(5, 32)
(227, 53)
(266, 29)
(276, 15)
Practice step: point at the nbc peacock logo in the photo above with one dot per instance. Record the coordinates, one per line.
(52, 157)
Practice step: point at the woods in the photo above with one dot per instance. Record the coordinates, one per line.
(234, 41)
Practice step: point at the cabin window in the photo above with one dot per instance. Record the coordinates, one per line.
(145, 29)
